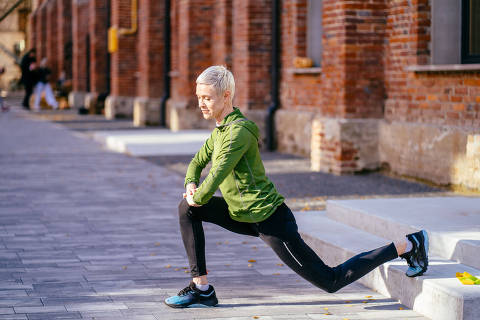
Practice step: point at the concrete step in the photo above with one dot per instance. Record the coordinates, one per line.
(152, 142)
(437, 294)
(453, 223)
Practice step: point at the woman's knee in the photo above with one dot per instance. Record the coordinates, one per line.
(183, 208)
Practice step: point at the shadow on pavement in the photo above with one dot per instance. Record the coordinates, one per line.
(311, 303)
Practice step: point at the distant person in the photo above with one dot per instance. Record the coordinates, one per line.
(2, 103)
(43, 87)
(252, 206)
(28, 76)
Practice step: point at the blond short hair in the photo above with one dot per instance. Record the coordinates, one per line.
(220, 78)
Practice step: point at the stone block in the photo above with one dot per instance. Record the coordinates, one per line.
(76, 99)
(260, 118)
(146, 111)
(119, 107)
(91, 100)
(181, 117)
(344, 145)
(293, 130)
(438, 153)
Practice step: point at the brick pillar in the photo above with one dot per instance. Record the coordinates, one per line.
(408, 41)
(191, 54)
(251, 53)
(64, 37)
(352, 86)
(299, 93)
(352, 65)
(99, 56)
(41, 33)
(150, 82)
(32, 34)
(79, 61)
(51, 33)
(124, 64)
(251, 61)
(222, 33)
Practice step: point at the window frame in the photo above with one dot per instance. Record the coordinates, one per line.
(314, 49)
(467, 58)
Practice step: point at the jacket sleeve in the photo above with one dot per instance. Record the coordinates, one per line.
(234, 145)
(199, 161)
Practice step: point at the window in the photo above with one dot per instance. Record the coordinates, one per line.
(470, 31)
(455, 32)
(314, 31)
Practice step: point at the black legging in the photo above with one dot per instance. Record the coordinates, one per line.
(28, 93)
(280, 232)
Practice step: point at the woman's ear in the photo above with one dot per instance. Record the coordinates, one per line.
(226, 94)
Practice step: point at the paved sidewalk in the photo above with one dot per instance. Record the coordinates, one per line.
(90, 234)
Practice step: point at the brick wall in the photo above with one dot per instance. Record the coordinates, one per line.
(51, 34)
(41, 31)
(222, 33)
(191, 53)
(251, 53)
(441, 98)
(31, 35)
(98, 28)
(124, 64)
(79, 38)
(432, 118)
(350, 84)
(64, 36)
(293, 44)
(150, 48)
(352, 64)
(365, 25)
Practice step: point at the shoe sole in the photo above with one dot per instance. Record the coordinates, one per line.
(194, 305)
(425, 246)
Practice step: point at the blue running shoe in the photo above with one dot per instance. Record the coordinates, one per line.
(192, 297)
(417, 258)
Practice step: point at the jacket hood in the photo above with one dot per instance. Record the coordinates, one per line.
(236, 117)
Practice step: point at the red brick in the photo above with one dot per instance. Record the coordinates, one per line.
(98, 17)
(79, 48)
(64, 37)
(124, 63)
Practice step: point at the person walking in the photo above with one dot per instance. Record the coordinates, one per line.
(28, 76)
(43, 86)
(252, 206)
(3, 107)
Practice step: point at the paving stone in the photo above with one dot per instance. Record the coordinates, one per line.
(51, 301)
(4, 294)
(20, 302)
(54, 316)
(13, 317)
(42, 309)
(103, 315)
(6, 310)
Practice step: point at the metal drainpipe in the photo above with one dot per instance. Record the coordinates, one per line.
(274, 75)
(166, 67)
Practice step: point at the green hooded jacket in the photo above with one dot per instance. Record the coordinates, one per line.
(237, 169)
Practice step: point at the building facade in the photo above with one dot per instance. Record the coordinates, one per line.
(360, 84)
(13, 31)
